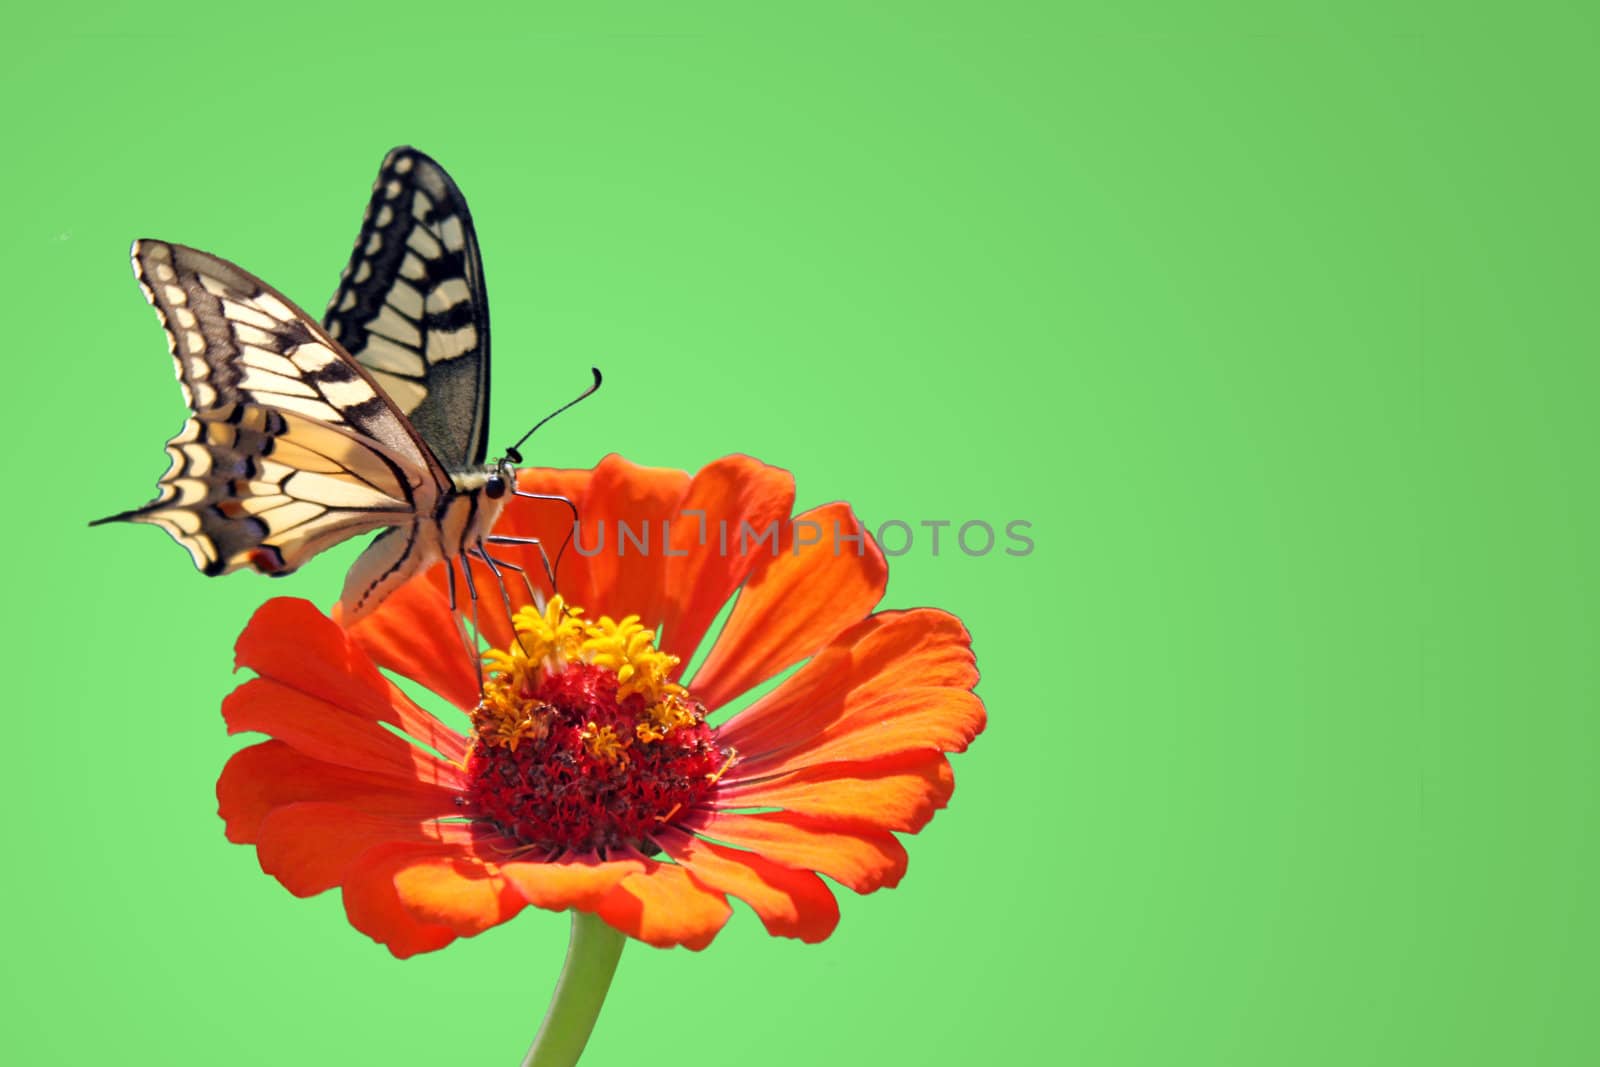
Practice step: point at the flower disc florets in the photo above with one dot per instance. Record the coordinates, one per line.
(582, 743)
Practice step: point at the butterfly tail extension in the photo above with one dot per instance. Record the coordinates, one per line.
(200, 548)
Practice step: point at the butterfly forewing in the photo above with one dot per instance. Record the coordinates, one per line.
(411, 306)
(290, 448)
(234, 338)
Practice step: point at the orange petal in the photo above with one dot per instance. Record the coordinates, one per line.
(664, 906)
(412, 634)
(899, 793)
(622, 513)
(271, 774)
(456, 891)
(291, 642)
(790, 903)
(921, 719)
(332, 734)
(883, 654)
(574, 882)
(727, 496)
(309, 846)
(794, 602)
(373, 903)
(861, 859)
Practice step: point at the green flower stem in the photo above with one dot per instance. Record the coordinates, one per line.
(592, 957)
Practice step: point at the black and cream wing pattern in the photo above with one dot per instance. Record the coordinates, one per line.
(291, 447)
(302, 435)
(411, 306)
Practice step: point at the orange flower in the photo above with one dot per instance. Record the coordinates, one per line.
(592, 779)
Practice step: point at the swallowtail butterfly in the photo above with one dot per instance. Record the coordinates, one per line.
(304, 435)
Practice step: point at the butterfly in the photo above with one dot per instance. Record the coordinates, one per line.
(302, 435)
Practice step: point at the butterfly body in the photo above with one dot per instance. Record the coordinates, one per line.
(303, 435)
(458, 526)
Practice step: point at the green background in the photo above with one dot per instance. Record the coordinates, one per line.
(1275, 321)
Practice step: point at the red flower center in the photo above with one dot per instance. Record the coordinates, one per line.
(573, 759)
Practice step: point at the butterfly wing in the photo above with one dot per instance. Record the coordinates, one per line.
(250, 486)
(291, 447)
(411, 306)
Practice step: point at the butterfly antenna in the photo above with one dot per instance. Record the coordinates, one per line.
(515, 456)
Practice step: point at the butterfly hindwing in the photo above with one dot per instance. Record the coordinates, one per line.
(251, 486)
(411, 306)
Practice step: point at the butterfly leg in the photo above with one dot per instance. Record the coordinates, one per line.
(562, 551)
(500, 580)
(550, 496)
(534, 595)
(549, 571)
(468, 642)
(477, 627)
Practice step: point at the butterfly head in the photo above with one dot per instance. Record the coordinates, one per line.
(502, 477)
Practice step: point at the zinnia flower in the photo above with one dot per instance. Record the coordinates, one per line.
(591, 777)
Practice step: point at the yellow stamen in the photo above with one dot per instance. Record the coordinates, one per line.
(547, 642)
(629, 650)
(661, 718)
(603, 743)
(502, 721)
(733, 754)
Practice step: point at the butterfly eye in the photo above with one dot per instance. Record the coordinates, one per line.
(495, 487)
